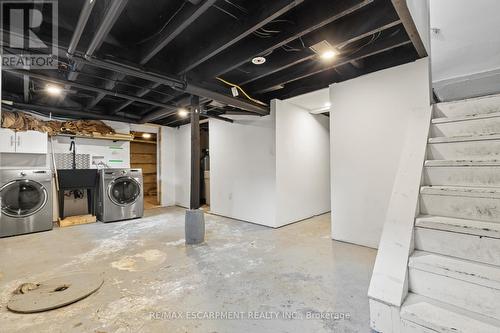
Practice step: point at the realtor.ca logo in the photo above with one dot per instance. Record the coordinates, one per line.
(29, 34)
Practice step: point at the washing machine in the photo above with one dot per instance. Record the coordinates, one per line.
(26, 201)
(120, 195)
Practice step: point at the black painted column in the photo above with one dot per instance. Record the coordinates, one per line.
(195, 153)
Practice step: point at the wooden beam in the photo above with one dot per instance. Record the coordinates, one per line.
(270, 10)
(195, 153)
(405, 16)
(174, 29)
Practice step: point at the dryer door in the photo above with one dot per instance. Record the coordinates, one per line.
(124, 191)
(22, 198)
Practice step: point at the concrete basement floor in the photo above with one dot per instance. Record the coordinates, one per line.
(294, 271)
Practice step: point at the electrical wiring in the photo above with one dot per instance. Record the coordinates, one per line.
(67, 69)
(242, 91)
(237, 6)
(226, 12)
(164, 26)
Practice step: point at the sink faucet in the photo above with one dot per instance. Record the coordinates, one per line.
(72, 147)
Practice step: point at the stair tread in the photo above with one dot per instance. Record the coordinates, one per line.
(456, 268)
(466, 191)
(443, 317)
(446, 139)
(464, 226)
(442, 120)
(445, 163)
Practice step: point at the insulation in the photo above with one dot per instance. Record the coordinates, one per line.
(20, 121)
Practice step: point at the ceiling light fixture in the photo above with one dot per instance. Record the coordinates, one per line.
(53, 90)
(183, 113)
(327, 55)
(258, 60)
(324, 50)
(146, 135)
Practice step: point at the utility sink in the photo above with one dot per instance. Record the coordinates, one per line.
(77, 178)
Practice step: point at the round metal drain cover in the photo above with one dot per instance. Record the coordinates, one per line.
(54, 293)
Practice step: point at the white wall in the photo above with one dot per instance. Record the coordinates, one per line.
(167, 165)
(368, 122)
(182, 165)
(302, 163)
(466, 50)
(316, 101)
(243, 169)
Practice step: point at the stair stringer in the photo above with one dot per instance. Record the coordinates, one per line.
(389, 282)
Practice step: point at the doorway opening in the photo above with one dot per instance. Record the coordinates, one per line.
(143, 154)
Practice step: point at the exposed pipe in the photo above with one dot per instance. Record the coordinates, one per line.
(109, 19)
(173, 82)
(217, 117)
(65, 112)
(91, 88)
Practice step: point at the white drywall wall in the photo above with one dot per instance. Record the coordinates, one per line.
(302, 163)
(466, 48)
(368, 123)
(420, 13)
(167, 165)
(182, 165)
(316, 101)
(243, 169)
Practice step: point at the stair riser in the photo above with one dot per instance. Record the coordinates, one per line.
(467, 108)
(409, 327)
(465, 128)
(465, 150)
(462, 176)
(470, 247)
(460, 293)
(482, 209)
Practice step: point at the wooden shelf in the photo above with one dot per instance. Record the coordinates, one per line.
(144, 141)
(113, 137)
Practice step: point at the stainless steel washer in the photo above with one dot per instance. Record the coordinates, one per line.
(120, 195)
(26, 201)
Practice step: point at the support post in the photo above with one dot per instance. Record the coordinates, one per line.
(195, 220)
(195, 152)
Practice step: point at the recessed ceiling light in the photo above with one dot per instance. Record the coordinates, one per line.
(324, 50)
(327, 55)
(53, 90)
(183, 113)
(258, 60)
(146, 135)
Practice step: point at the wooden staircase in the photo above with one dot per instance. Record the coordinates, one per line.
(454, 271)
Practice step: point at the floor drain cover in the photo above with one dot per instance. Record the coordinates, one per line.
(54, 293)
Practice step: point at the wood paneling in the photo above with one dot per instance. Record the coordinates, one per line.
(149, 179)
(143, 155)
(143, 158)
(142, 148)
(146, 168)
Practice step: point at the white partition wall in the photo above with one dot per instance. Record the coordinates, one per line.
(167, 165)
(182, 165)
(368, 121)
(302, 163)
(271, 170)
(243, 169)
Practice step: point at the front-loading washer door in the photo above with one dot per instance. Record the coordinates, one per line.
(22, 198)
(124, 191)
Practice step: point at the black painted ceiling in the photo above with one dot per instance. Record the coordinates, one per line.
(201, 40)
